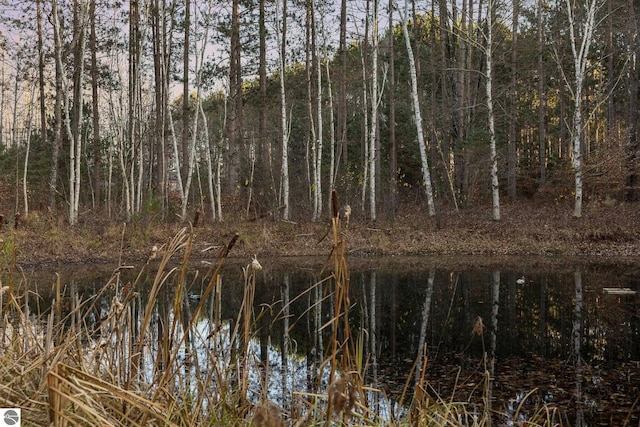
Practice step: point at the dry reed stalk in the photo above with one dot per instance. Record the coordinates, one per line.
(343, 353)
(162, 381)
(248, 299)
(78, 398)
(179, 241)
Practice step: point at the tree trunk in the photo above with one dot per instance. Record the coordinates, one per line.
(632, 184)
(542, 97)
(393, 154)
(318, 140)
(284, 129)
(426, 174)
(234, 119)
(342, 88)
(97, 149)
(495, 189)
(25, 186)
(373, 132)
(185, 101)
(512, 162)
(263, 141)
(581, 37)
(159, 43)
(57, 130)
(41, 85)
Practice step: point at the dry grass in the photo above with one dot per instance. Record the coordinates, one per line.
(528, 227)
(131, 362)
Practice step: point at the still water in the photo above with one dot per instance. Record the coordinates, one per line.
(564, 332)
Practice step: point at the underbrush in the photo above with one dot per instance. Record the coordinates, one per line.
(118, 359)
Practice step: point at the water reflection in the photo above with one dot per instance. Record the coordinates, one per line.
(548, 334)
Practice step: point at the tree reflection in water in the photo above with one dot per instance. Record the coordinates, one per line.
(557, 338)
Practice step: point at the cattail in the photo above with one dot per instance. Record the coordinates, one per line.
(342, 396)
(267, 416)
(334, 203)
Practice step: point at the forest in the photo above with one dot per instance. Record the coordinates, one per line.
(261, 108)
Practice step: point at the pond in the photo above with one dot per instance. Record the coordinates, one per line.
(508, 334)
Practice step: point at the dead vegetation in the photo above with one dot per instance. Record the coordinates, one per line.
(527, 228)
(125, 363)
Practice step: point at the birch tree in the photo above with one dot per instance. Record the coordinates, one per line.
(582, 22)
(417, 115)
(186, 152)
(495, 188)
(393, 154)
(80, 20)
(41, 80)
(318, 139)
(281, 37)
(57, 127)
(25, 190)
(199, 60)
(72, 129)
(373, 131)
(96, 193)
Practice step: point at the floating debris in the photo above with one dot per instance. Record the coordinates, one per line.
(619, 291)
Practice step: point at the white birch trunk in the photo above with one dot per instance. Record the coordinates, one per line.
(580, 53)
(25, 190)
(317, 194)
(426, 175)
(317, 197)
(317, 143)
(495, 188)
(365, 119)
(332, 129)
(74, 146)
(210, 188)
(199, 59)
(373, 132)
(284, 175)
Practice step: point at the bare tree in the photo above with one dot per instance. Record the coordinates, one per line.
(41, 85)
(513, 107)
(495, 189)
(80, 14)
(373, 131)
(582, 20)
(318, 139)
(542, 107)
(59, 89)
(281, 35)
(97, 184)
(393, 154)
(186, 155)
(426, 174)
(632, 189)
(234, 113)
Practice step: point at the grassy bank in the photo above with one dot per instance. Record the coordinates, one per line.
(526, 228)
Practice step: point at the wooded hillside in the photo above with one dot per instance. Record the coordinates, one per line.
(259, 108)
